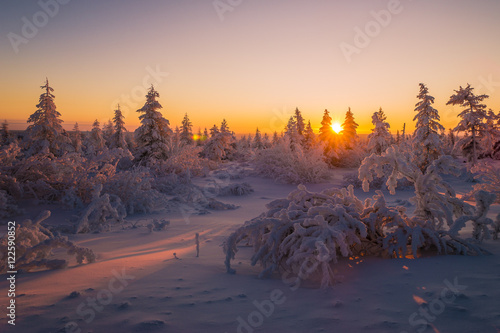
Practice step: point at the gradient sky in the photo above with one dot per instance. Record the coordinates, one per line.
(253, 68)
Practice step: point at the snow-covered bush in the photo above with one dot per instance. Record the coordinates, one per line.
(479, 219)
(435, 199)
(186, 157)
(34, 245)
(101, 210)
(318, 229)
(489, 177)
(8, 205)
(135, 190)
(291, 164)
(158, 225)
(236, 189)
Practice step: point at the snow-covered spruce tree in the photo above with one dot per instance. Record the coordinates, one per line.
(309, 137)
(426, 141)
(46, 131)
(176, 139)
(291, 132)
(5, 134)
(327, 138)
(299, 122)
(257, 141)
(221, 145)
(318, 229)
(77, 138)
(276, 138)
(108, 133)
(349, 152)
(154, 134)
(349, 134)
(491, 134)
(472, 122)
(95, 143)
(186, 135)
(265, 141)
(326, 131)
(380, 138)
(118, 140)
(214, 131)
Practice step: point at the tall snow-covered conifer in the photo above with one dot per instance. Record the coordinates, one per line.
(326, 131)
(5, 133)
(186, 135)
(46, 131)
(119, 140)
(77, 138)
(309, 137)
(95, 141)
(473, 120)
(349, 134)
(426, 141)
(299, 122)
(257, 140)
(153, 137)
(380, 138)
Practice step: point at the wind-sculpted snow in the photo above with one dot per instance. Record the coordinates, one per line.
(34, 245)
(320, 228)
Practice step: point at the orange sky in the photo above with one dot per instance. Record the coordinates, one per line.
(253, 66)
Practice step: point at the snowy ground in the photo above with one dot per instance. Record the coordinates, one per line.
(137, 285)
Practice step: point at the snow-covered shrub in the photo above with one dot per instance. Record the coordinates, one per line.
(376, 183)
(352, 178)
(185, 158)
(479, 219)
(489, 177)
(34, 245)
(435, 199)
(8, 205)
(317, 229)
(291, 164)
(101, 210)
(158, 225)
(135, 190)
(9, 154)
(236, 189)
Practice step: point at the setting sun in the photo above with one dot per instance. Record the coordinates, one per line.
(336, 127)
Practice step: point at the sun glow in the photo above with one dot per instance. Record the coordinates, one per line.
(337, 128)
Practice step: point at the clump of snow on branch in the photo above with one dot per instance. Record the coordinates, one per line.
(34, 245)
